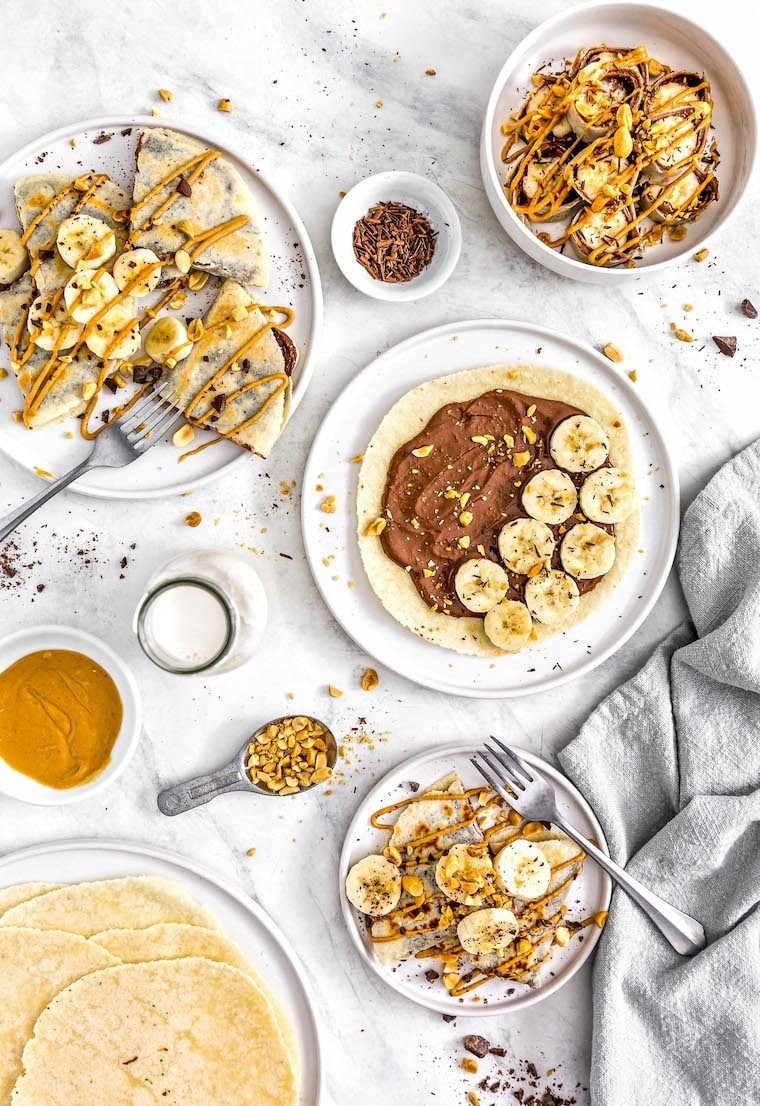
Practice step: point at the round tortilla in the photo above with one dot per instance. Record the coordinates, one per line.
(187, 1031)
(35, 968)
(129, 903)
(171, 941)
(392, 585)
(22, 892)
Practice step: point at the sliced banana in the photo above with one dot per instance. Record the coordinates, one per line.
(14, 260)
(587, 551)
(51, 328)
(480, 584)
(487, 930)
(560, 851)
(167, 341)
(465, 874)
(508, 626)
(373, 886)
(525, 543)
(550, 496)
(608, 495)
(117, 333)
(129, 267)
(85, 242)
(579, 444)
(552, 597)
(523, 870)
(88, 292)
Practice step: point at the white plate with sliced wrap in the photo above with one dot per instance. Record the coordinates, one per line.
(108, 145)
(588, 895)
(203, 899)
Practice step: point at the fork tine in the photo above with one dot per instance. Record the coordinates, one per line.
(143, 406)
(149, 422)
(518, 764)
(507, 777)
(493, 781)
(150, 435)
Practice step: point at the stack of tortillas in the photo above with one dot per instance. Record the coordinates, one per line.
(126, 993)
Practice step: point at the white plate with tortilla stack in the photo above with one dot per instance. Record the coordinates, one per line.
(589, 893)
(274, 962)
(108, 144)
(331, 538)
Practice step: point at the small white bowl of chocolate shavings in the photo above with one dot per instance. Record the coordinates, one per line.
(396, 236)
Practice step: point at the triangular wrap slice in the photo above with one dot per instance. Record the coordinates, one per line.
(215, 349)
(34, 193)
(216, 196)
(66, 398)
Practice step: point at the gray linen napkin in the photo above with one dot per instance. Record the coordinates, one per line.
(670, 763)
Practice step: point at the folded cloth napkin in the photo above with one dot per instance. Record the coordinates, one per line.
(670, 763)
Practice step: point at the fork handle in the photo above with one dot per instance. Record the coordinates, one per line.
(683, 932)
(9, 522)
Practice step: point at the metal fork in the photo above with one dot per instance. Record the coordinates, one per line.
(533, 797)
(114, 448)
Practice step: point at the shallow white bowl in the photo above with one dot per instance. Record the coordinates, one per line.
(31, 640)
(417, 192)
(674, 40)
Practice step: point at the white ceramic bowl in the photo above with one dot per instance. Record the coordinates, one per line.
(417, 192)
(31, 640)
(674, 40)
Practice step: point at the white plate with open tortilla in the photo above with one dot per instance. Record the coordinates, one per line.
(194, 899)
(587, 897)
(226, 185)
(399, 380)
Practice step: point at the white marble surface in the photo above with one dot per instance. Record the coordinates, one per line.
(304, 78)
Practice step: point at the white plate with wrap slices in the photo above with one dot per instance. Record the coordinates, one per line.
(589, 893)
(108, 145)
(333, 544)
(177, 913)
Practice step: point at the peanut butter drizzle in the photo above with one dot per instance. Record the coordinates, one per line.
(45, 211)
(193, 167)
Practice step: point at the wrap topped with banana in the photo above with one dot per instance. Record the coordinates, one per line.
(465, 880)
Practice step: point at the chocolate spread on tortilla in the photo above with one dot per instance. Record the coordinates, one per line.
(423, 495)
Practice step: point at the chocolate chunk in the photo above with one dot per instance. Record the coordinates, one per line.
(449, 1017)
(431, 975)
(288, 349)
(219, 403)
(123, 562)
(184, 187)
(497, 1050)
(146, 374)
(749, 309)
(727, 346)
(105, 416)
(478, 1046)
(413, 786)
(111, 384)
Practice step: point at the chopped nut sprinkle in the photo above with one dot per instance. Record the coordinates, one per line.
(328, 505)
(166, 95)
(700, 255)
(334, 691)
(612, 352)
(289, 755)
(224, 105)
(193, 519)
(375, 528)
(370, 680)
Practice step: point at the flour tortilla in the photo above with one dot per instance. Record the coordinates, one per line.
(172, 940)
(22, 892)
(33, 193)
(219, 194)
(214, 350)
(129, 903)
(185, 1031)
(407, 418)
(34, 968)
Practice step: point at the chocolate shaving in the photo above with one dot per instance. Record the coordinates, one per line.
(393, 242)
(727, 346)
(219, 403)
(749, 309)
(184, 187)
(287, 348)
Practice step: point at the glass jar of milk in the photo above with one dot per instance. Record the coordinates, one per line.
(203, 612)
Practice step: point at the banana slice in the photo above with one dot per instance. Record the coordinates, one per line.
(167, 341)
(465, 874)
(373, 886)
(560, 851)
(487, 930)
(508, 626)
(14, 260)
(587, 551)
(608, 495)
(117, 334)
(523, 870)
(88, 292)
(51, 329)
(480, 584)
(525, 543)
(130, 266)
(550, 496)
(85, 242)
(579, 444)
(552, 597)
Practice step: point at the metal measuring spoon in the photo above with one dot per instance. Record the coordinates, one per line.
(235, 776)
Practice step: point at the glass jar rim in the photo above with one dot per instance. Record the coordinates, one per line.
(143, 610)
